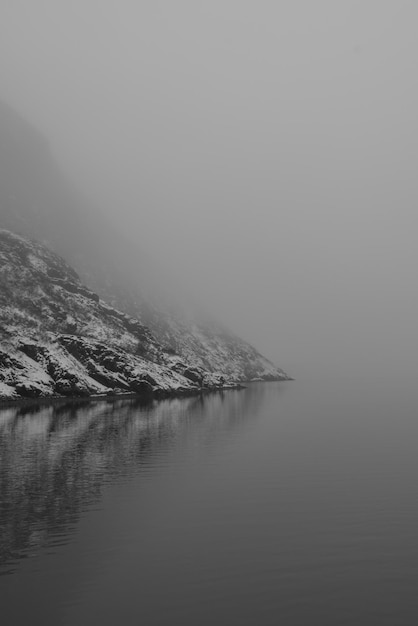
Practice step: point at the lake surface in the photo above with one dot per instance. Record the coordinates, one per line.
(287, 503)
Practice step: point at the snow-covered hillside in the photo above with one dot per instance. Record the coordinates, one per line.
(58, 338)
(38, 202)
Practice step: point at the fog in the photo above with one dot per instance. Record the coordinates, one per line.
(265, 152)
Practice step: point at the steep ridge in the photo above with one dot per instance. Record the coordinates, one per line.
(58, 338)
(37, 201)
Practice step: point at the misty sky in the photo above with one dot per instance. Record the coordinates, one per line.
(266, 150)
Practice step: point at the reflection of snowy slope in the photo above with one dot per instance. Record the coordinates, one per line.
(56, 459)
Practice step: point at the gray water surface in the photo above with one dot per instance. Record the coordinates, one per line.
(286, 503)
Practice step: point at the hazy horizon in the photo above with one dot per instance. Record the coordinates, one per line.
(265, 152)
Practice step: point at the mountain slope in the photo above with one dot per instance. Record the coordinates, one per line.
(37, 201)
(58, 338)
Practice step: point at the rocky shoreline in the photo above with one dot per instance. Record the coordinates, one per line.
(157, 395)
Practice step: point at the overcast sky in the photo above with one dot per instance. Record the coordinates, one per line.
(266, 150)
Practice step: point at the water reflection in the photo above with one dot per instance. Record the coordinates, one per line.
(54, 460)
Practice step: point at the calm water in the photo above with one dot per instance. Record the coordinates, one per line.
(287, 503)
